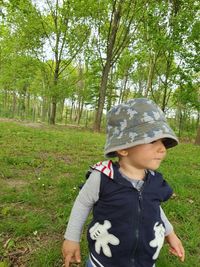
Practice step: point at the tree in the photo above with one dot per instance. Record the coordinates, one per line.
(65, 31)
(118, 37)
(126, 49)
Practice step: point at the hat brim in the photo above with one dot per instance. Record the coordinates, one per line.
(153, 131)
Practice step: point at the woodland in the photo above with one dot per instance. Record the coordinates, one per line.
(63, 65)
(69, 61)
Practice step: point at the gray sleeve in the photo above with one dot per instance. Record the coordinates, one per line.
(84, 202)
(168, 226)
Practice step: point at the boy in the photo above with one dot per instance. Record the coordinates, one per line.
(128, 227)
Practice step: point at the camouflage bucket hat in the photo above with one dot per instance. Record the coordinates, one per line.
(135, 122)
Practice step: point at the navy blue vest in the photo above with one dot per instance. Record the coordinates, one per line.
(126, 224)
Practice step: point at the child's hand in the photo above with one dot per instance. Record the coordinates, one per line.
(176, 247)
(71, 252)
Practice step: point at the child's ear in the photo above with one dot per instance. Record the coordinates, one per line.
(122, 152)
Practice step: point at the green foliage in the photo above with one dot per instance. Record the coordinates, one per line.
(43, 47)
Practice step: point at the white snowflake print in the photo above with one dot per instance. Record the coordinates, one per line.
(156, 115)
(158, 241)
(109, 128)
(120, 135)
(166, 129)
(147, 139)
(123, 124)
(131, 112)
(118, 111)
(157, 133)
(146, 117)
(99, 232)
(116, 131)
(132, 136)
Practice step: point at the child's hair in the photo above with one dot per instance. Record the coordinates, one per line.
(135, 122)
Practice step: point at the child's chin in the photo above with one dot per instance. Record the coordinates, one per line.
(154, 167)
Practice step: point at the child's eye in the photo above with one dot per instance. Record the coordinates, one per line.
(153, 142)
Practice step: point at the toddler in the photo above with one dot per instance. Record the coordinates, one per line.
(128, 227)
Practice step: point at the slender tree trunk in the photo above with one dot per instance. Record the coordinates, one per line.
(52, 118)
(14, 104)
(71, 110)
(54, 98)
(110, 94)
(62, 106)
(197, 140)
(5, 102)
(102, 96)
(86, 118)
(80, 111)
(106, 69)
(180, 122)
(44, 108)
(198, 119)
(27, 105)
(22, 106)
(81, 86)
(66, 115)
(165, 98)
(34, 113)
(150, 74)
(124, 90)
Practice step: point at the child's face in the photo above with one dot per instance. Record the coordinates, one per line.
(146, 156)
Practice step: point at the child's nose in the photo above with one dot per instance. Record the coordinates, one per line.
(161, 147)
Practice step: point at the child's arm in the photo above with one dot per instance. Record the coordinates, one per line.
(168, 225)
(176, 247)
(88, 195)
(71, 247)
(174, 242)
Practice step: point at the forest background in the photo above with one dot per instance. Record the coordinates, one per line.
(69, 61)
(64, 63)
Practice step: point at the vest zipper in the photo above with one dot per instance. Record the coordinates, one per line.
(139, 214)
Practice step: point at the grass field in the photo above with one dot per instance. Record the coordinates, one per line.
(41, 168)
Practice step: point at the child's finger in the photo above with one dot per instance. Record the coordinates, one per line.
(78, 256)
(180, 254)
(173, 251)
(68, 260)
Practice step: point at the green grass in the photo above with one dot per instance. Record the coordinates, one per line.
(40, 171)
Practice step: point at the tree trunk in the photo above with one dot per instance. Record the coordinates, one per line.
(150, 74)
(44, 108)
(80, 110)
(62, 107)
(5, 101)
(71, 110)
(197, 140)
(81, 86)
(166, 82)
(27, 105)
(180, 120)
(114, 25)
(66, 114)
(14, 104)
(102, 96)
(52, 118)
(124, 90)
